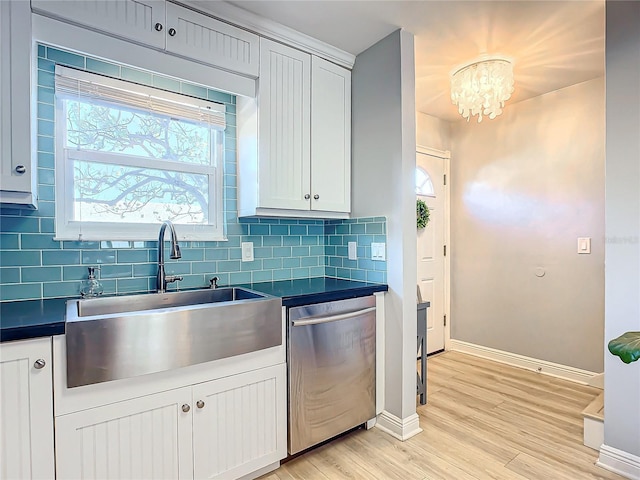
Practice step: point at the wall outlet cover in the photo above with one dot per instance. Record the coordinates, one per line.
(247, 251)
(584, 244)
(378, 251)
(353, 251)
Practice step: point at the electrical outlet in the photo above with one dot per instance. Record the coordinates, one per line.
(353, 251)
(247, 251)
(378, 251)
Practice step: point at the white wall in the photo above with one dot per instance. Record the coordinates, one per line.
(523, 188)
(432, 132)
(622, 254)
(383, 164)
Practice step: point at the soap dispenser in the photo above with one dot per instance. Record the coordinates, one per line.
(91, 287)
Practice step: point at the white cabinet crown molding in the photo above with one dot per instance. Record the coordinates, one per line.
(272, 30)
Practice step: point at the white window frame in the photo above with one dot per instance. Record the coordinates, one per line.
(419, 188)
(69, 229)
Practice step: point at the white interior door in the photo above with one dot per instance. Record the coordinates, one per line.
(431, 246)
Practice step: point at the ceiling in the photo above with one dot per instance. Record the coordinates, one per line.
(554, 44)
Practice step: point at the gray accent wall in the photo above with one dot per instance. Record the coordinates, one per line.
(524, 187)
(383, 164)
(622, 250)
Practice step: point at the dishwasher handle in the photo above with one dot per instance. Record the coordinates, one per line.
(332, 318)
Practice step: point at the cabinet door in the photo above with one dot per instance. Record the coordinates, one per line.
(240, 425)
(194, 35)
(17, 172)
(131, 19)
(330, 137)
(284, 100)
(147, 437)
(26, 410)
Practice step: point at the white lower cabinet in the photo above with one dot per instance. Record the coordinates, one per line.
(146, 437)
(239, 423)
(26, 410)
(225, 428)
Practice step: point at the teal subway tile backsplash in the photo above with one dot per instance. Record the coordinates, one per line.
(33, 265)
(338, 234)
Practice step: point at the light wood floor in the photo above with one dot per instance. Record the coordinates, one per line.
(483, 420)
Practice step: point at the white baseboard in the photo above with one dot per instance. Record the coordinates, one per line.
(593, 433)
(620, 462)
(541, 366)
(400, 428)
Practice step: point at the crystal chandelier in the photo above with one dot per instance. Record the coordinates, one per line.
(481, 87)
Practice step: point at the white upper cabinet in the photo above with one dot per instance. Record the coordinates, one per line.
(300, 165)
(26, 416)
(330, 137)
(197, 36)
(17, 164)
(140, 20)
(284, 127)
(163, 25)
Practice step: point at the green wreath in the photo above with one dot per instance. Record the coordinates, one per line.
(422, 214)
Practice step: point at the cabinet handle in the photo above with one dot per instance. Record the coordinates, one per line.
(186, 408)
(158, 27)
(21, 169)
(172, 31)
(200, 404)
(316, 196)
(307, 196)
(38, 364)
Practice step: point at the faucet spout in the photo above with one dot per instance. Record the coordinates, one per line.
(161, 278)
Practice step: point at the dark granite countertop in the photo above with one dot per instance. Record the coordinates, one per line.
(41, 318)
(316, 290)
(32, 318)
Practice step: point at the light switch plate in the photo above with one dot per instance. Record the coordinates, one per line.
(378, 251)
(247, 251)
(584, 244)
(353, 251)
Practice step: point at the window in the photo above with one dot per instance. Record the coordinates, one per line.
(129, 157)
(424, 185)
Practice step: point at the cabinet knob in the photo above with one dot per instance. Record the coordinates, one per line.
(38, 364)
(316, 196)
(172, 32)
(307, 196)
(21, 169)
(158, 27)
(186, 408)
(200, 404)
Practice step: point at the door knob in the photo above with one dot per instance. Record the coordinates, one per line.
(316, 196)
(21, 169)
(158, 27)
(172, 31)
(200, 404)
(186, 408)
(307, 196)
(38, 364)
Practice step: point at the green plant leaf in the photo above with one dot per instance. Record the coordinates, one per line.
(626, 346)
(422, 214)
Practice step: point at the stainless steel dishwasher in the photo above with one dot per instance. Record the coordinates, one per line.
(331, 369)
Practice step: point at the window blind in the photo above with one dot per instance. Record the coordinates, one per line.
(73, 83)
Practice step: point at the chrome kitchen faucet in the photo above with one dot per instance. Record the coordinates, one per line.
(161, 278)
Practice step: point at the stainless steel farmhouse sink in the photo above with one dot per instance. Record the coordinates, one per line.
(111, 338)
